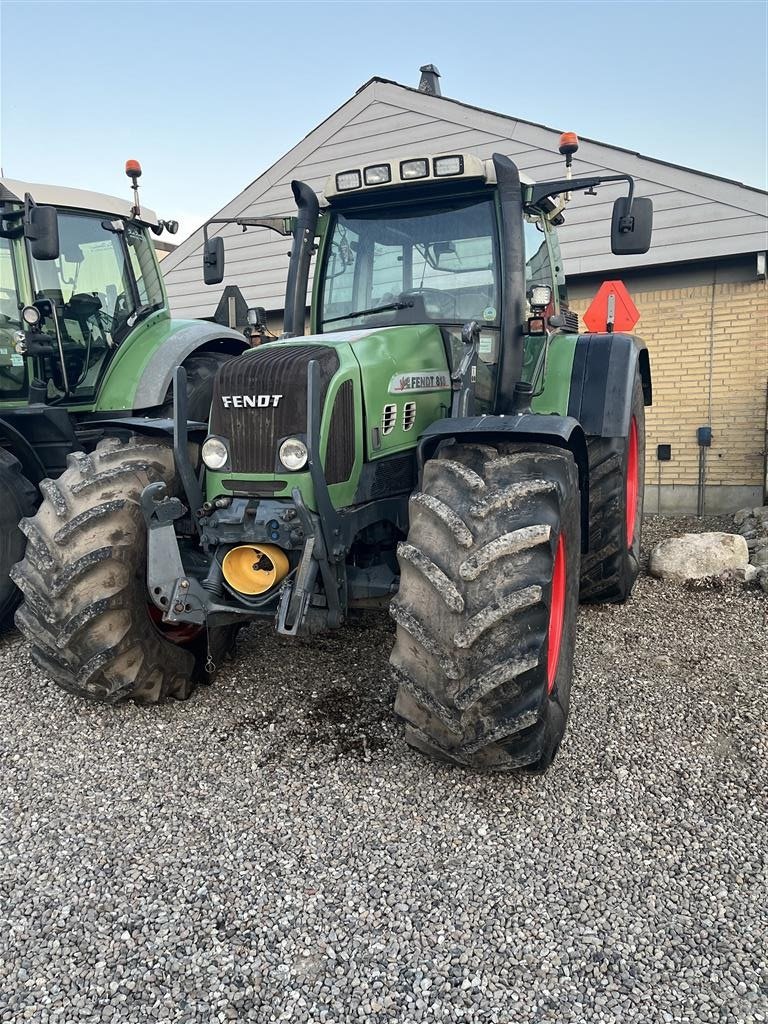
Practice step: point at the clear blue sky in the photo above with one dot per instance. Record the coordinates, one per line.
(208, 95)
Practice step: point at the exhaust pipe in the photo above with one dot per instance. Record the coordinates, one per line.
(301, 256)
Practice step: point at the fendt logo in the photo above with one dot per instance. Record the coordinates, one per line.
(250, 401)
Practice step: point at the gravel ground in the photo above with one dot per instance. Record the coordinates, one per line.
(271, 850)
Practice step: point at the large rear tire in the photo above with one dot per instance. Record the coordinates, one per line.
(18, 498)
(86, 611)
(486, 611)
(616, 484)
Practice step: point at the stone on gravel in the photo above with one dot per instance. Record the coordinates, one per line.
(695, 556)
(750, 573)
(741, 515)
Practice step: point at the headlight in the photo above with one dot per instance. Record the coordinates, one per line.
(214, 453)
(31, 315)
(293, 454)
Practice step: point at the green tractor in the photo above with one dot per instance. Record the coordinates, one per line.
(86, 341)
(444, 442)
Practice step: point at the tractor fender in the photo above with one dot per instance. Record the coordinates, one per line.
(31, 465)
(157, 375)
(602, 378)
(535, 428)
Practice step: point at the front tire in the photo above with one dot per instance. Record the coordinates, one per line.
(486, 611)
(86, 611)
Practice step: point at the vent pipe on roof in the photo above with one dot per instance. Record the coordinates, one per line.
(430, 83)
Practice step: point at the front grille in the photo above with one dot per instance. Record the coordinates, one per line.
(255, 432)
(340, 456)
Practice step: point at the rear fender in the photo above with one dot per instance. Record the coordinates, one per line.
(602, 379)
(533, 428)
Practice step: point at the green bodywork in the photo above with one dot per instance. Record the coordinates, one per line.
(378, 362)
(375, 361)
(555, 394)
(122, 366)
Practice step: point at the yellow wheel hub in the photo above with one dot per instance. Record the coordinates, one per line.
(254, 568)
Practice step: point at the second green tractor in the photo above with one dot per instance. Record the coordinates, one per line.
(444, 441)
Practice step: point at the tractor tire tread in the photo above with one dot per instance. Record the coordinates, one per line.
(470, 649)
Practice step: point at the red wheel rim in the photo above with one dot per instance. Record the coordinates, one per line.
(556, 613)
(182, 635)
(632, 482)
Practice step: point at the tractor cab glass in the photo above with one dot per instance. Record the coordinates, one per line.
(102, 283)
(432, 262)
(416, 263)
(13, 372)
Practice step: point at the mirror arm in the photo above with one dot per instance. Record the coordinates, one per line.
(545, 189)
(282, 225)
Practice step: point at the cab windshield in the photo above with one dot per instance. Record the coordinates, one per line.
(103, 282)
(425, 262)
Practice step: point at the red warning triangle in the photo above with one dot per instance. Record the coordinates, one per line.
(611, 305)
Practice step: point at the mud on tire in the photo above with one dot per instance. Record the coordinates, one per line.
(477, 685)
(85, 610)
(609, 570)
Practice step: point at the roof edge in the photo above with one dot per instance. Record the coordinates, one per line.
(549, 128)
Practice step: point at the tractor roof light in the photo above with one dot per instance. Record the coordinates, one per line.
(410, 170)
(448, 166)
(133, 169)
(378, 174)
(346, 181)
(417, 170)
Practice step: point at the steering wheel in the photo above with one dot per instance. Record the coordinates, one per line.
(443, 304)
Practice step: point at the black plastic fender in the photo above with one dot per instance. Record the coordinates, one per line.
(560, 431)
(602, 377)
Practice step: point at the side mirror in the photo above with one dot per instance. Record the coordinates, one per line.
(213, 260)
(41, 227)
(631, 235)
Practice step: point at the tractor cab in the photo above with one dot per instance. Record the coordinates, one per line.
(418, 241)
(78, 272)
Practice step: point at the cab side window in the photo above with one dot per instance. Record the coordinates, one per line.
(538, 260)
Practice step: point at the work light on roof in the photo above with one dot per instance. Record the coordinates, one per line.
(379, 174)
(447, 166)
(410, 169)
(348, 180)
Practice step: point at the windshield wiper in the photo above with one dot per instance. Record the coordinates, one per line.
(365, 312)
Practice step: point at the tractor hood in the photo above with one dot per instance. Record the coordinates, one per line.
(378, 388)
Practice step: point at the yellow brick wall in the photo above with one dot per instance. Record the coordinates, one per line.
(709, 347)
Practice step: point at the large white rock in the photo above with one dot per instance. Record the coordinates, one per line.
(696, 555)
